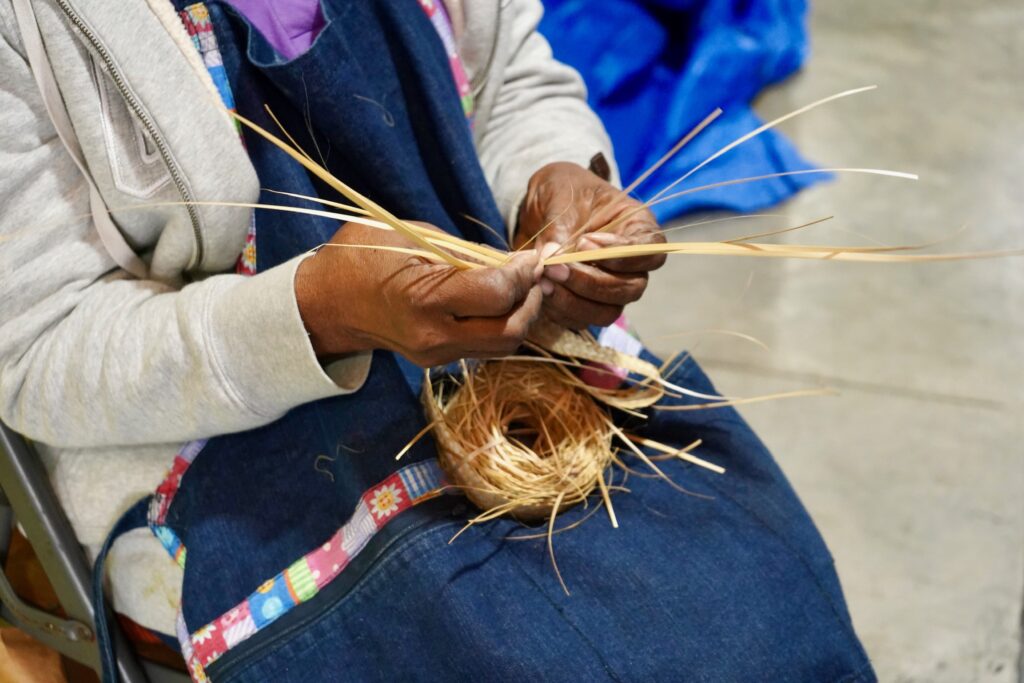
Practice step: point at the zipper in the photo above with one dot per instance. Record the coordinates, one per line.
(147, 122)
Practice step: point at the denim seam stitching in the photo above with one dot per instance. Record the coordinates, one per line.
(608, 669)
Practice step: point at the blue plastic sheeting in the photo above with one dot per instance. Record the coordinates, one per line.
(656, 68)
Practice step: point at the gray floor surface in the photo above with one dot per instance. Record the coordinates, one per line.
(915, 472)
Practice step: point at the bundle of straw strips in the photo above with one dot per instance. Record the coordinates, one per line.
(525, 437)
(519, 438)
(463, 254)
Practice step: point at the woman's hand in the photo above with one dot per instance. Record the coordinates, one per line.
(572, 198)
(354, 299)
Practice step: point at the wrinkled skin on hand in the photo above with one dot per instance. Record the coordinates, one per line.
(570, 198)
(357, 299)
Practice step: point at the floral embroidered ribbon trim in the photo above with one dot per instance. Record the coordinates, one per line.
(443, 25)
(163, 497)
(305, 578)
(196, 19)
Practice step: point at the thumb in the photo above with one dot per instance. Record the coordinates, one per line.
(492, 292)
(527, 268)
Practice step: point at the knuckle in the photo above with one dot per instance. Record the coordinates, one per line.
(493, 279)
(445, 355)
(581, 284)
(427, 340)
(571, 319)
(510, 346)
(425, 359)
(607, 316)
(516, 332)
(506, 348)
(509, 297)
(557, 316)
(501, 289)
(430, 299)
(616, 289)
(636, 289)
(521, 281)
(560, 301)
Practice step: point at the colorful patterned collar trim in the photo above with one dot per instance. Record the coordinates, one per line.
(443, 25)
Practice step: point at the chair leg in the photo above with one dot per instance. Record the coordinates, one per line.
(6, 526)
(67, 636)
(27, 488)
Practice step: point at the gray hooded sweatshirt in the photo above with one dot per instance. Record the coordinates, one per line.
(110, 374)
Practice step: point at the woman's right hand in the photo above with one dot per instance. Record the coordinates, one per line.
(354, 299)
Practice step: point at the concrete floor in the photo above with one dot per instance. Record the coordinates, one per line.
(915, 473)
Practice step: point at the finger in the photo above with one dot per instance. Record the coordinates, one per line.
(490, 292)
(548, 214)
(634, 264)
(500, 336)
(575, 312)
(618, 289)
(451, 354)
(558, 272)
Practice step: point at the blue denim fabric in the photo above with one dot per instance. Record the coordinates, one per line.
(739, 587)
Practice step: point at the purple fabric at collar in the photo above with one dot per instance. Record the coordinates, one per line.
(290, 26)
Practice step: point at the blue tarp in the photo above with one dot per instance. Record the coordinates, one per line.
(656, 68)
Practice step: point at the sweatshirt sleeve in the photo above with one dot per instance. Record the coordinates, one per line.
(90, 356)
(539, 113)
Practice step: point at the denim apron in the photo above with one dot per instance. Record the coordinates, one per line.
(733, 583)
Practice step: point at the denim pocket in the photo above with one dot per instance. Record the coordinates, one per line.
(430, 610)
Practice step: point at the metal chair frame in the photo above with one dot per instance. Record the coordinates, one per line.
(27, 497)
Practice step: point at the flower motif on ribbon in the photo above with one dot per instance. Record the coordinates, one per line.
(204, 634)
(385, 500)
(198, 674)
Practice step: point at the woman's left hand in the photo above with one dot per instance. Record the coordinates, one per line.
(569, 199)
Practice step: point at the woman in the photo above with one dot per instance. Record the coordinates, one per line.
(294, 380)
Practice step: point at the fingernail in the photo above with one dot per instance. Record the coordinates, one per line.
(549, 249)
(602, 238)
(558, 272)
(547, 286)
(525, 254)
